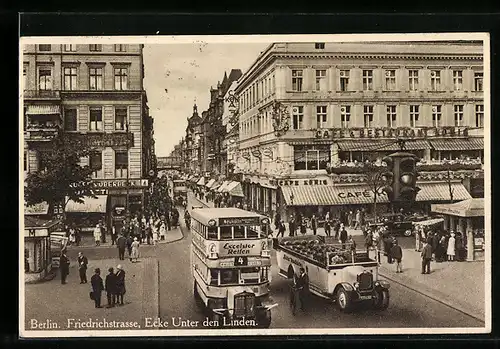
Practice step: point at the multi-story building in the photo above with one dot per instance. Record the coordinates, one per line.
(312, 113)
(95, 93)
(193, 151)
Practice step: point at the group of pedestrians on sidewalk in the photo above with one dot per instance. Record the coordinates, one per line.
(114, 285)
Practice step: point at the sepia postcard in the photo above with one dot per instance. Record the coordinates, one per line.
(255, 185)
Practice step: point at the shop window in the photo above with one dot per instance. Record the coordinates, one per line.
(367, 80)
(121, 164)
(311, 157)
(95, 78)
(95, 119)
(70, 119)
(120, 118)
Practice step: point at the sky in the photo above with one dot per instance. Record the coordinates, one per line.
(178, 74)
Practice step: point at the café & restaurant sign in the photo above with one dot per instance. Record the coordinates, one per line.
(120, 183)
(400, 132)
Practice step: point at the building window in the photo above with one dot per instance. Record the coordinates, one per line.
(479, 115)
(44, 48)
(344, 80)
(436, 115)
(25, 78)
(478, 81)
(307, 157)
(414, 114)
(95, 76)
(120, 48)
(321, 80)
(457, 80)
(458, 112)
(121, 75)
(413, 80)
(121, 164)
(95, 119)
(297, 80)
(319, 45)
(391, 116)
(70, 120)
(345, 116)
(367, 80)
(45, 79)
(368, 115)
(321, 116)
(69, 48)
(95, 163)
(435, 80)
(121, 118)
(298, 118)
(390, 80)
(70, 78)
(95, 48)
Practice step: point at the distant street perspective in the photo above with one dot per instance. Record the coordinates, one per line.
(276, 185)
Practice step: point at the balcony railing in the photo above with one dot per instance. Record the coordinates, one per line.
(41, 135)
(41, 94)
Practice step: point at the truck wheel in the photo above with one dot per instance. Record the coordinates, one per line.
(197, 298)
(408, 233)
(381, 298)
(343, 300)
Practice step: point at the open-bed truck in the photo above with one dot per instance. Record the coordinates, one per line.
(335, 272)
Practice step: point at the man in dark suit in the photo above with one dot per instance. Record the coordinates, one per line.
(64, 266)
(302, 284)
(120, 284)
(121, 243)
(426, 257)
(82, 267)
(97, 287)
(110, 286)
(343, 236)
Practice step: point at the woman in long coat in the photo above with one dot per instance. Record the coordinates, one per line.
(135, 250)
(451, 248)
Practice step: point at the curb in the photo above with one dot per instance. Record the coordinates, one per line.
(384, 272)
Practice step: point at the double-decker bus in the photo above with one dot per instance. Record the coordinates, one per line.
(231, 266)
(179, 191)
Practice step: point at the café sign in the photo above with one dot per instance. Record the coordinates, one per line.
(120, 183)
(400, 132)
(298, 182)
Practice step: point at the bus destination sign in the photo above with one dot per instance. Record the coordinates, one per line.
(239, 221)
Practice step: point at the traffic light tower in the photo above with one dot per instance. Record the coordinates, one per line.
(402, 179)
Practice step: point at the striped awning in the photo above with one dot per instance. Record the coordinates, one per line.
(201, 181)
(234, 189)
(90, 205)
(326, 195)
(43, 109)
(210, 183)
(458, 144)
(382, 145)
(221, 188)
(468, 208)
(440, 191)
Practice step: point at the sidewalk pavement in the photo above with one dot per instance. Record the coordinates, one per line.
(57, 303)
(320, 230)
(87, 241)
(460, 285)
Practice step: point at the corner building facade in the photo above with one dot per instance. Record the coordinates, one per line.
(306, 108)
(95, 94)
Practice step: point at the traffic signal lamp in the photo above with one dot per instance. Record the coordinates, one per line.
(402, 187)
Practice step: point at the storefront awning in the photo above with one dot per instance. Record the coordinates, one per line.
(201, 181)
(91, 205)
(458, 144)
(41, 208)
(473, 207)
(221, 188)
(39, 223)
(43, 109)
(382, 145)
(440, 191)
(234, 189)
(327, 195)
(210, 183)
